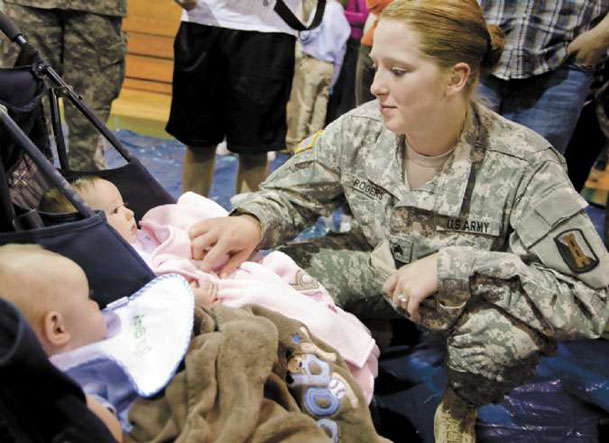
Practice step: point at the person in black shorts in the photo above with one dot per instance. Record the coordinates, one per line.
(230, 83)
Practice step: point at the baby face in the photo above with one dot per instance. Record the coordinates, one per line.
(103, 195)
(82, 317)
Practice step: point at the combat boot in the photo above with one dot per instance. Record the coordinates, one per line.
(455, 420)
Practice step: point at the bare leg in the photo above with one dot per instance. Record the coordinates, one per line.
(198, 170)
(253, 169)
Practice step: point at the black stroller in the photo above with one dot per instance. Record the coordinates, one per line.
(113, 268)
(37, 403)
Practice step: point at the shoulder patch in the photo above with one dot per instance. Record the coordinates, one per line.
(576, 251)
(308, 142)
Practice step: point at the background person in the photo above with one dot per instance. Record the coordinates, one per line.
(467, 221)
(545, 72)
(342, 98)
(589, 136)
(233, 69)
(323, 50)
(364, 72)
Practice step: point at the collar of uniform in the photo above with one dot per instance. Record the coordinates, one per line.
(444, 194)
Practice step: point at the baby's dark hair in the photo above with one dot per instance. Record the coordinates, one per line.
(55, 201)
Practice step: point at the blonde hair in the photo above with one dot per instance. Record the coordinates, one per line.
(24, 270)
(451, 32)
(55, 201)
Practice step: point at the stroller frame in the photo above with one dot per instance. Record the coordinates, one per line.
(57, 89)
(114, 269)
(61, 90)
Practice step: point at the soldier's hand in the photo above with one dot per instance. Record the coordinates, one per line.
(588, 49)
(413, 283)
(224, 243)
(187, 4)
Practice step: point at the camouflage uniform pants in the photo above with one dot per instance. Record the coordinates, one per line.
(88, 51)
(340, 263)
(488, 351)
(309, 99)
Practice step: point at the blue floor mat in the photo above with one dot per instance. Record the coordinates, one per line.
(566, 401)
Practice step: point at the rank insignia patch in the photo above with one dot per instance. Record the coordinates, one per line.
(576, 251)
(401, 251)
(308, 142)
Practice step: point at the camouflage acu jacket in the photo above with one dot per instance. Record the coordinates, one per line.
(117, 8)
(509, 228)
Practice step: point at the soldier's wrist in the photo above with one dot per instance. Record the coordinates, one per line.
(252, 217)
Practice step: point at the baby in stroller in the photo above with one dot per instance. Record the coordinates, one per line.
(273, 281)
(103, 195)
(53, 294)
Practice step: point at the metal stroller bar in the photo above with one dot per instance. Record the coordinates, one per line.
(10, 30)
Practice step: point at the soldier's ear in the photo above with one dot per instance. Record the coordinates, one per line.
(457, 78)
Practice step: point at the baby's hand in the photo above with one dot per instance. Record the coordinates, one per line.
(206, 293)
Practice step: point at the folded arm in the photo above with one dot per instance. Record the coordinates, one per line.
(555, 274)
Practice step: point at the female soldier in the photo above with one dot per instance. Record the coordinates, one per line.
(466, 220)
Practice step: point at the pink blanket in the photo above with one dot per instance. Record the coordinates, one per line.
(273, 281)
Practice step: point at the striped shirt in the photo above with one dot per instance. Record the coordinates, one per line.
(538, 32)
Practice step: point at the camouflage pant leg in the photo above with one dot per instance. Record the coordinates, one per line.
(41, 28)
(94, 64)
(340, 263)
(489, 353)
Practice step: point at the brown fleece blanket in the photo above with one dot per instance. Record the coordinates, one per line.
(252, 375)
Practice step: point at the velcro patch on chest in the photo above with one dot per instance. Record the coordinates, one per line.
(367, 188)
(467, 225)
(576, 251)
(401, 250)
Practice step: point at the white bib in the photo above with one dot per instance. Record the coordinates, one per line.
(149, 334)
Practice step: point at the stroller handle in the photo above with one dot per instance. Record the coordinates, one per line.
(10, 29)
